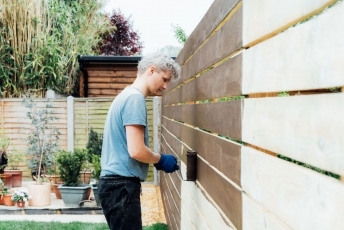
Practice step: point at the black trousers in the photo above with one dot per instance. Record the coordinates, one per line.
(120, 200)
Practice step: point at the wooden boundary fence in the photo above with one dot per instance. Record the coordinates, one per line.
(236, 65)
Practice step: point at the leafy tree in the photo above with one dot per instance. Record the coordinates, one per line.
(124, 41)
(179, 34)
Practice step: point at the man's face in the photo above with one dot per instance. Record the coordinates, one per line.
(158, 80)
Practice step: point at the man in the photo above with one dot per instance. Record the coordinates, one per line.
(125, 152)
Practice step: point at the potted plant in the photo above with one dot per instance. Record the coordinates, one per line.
(42, 143)
(15, 157)
(7, 196)
(19, 197)
(70, 164)
(4, 143)
(96, 174)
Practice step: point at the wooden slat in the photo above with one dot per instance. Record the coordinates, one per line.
(309, 129)
(172, 142)
(225, 195)
(111, 80)
(309, 56)
(108, 86)
(104, 92)
(112, 67)
(173, 127)
(216, 13)
(215, 49)
(300, 197)
(96, 74)
(172, 112)
(220, 153)
(257, 217)
(266, 18)
(223, 118)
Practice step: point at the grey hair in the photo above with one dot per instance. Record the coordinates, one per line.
(161, 62)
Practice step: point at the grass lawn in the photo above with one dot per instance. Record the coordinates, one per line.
(33, 225)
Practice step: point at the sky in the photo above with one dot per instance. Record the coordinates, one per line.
(152, 19)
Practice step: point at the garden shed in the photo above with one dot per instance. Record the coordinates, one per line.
(106, 76)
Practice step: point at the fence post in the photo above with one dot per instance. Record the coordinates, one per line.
(70, 123)
(157, 102)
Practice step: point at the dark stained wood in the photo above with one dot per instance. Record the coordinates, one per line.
(102, 79)
(223, 117)
(172, 112)
(220, 153)
(172, 97)
(223, 43)
(111, 67)
(172, 214)
(225, 195)
(173, 127)
(172, 142)
(107, 86)
(221, 81)
(113, 73)
(174, 191)
(102, 92)
(216, 13)
(81, 84)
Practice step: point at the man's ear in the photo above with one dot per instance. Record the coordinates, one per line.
(151, 70)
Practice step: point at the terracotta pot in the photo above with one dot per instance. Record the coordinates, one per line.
(57, 191)
(8, 200)
(85, 177)
(17, 176)
(21, 204)
(7, 179)
(2, 202)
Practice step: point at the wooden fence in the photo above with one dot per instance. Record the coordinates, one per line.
(75, 116)
(236, 65)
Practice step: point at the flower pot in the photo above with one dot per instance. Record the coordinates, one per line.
(40, 194)
(72, 196)
(57, 191)
(2, 202)
(8, 200)
(17, 176)
(95, 193)
(7, 179)
(85, 177)
(20, 204)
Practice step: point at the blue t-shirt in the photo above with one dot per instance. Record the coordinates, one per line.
(128, 108)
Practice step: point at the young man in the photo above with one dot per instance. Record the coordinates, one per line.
(125, 153)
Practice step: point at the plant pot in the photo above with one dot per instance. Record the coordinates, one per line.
(17, 176)
(20, 204)
(7, 179)
(40, 194)
(2, 202)
(72, 196)
(8, 200)
(85, 177)
(57, 191)
(95, 193)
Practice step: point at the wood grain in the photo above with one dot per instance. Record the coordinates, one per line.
(300, 197)
(295, 59)
(309, 129)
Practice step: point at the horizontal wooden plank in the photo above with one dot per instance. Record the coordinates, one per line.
(173, 127)
(295, 59)
(256, 217)
(111, 80)
(215, 14)
(104, 92)
(172, 112)
(223, 117)
(225, 195)
(172, 142)
(111, 67)
(267, 18)
(108, 86)
(96, 74)
(220, 153)
(309, 129)
(300, 197)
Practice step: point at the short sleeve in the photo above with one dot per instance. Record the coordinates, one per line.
(134, 111)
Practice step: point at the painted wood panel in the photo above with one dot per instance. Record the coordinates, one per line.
(309, 129)
(300, 197)
(173, 127)
(225, 195)
(223, 118)
(215, 14)
(172, 142)
(265, 17)
(309, 56)
(172, 112)
(219, 152)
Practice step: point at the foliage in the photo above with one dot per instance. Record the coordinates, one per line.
(179, 34)
(15, 157)
(19, 196)
(171, 51)
(97, 167)
(3, 189)
(94, 144)
(70, 164)
(122, 42)
(40, 41)
(43, 137)
(4, 143)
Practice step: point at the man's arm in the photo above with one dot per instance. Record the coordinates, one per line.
(136, 145)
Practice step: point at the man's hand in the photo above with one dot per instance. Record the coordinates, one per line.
(167, 163)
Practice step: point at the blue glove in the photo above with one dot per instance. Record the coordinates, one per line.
(167, 163)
